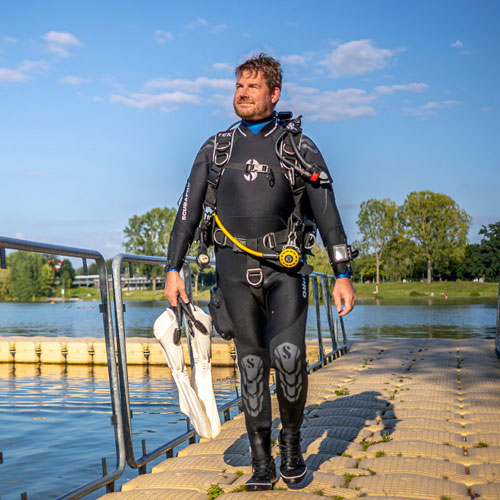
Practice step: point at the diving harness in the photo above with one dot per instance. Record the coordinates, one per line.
(285, 247)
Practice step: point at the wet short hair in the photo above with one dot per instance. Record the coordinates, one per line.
(270, 68)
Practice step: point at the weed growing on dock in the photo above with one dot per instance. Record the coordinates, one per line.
(214, 491)
(481, 445)
(240, 488)
(342, 392)
(444, 497)
(379, 454)
(239, 473)
(319, 492)
(337, 497)
(347, 479)
(344, 454)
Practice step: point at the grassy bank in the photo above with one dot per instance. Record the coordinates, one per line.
(460, 289)
(454, 289)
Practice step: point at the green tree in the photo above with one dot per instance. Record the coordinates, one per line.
(149, 234)
(483, 260)
(377, 222)
(47, 277)
(66, 273)
(26, 275)
(438, 225)
(5, 285)
(319, 260)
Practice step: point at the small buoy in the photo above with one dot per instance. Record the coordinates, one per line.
(52, 302)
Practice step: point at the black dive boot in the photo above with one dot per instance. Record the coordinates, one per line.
(264, 469)
(293, 468)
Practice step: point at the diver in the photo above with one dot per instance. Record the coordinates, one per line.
(259, 190)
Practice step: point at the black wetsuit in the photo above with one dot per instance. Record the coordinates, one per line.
(270, 333)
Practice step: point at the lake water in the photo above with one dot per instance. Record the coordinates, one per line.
(55, 420)
(371, 318)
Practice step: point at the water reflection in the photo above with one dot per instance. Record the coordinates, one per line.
(55, 422)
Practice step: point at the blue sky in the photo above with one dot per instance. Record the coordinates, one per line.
(103, 105)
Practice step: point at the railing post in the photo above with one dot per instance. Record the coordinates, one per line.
(497, 341)
(314, 283)
(328, 306)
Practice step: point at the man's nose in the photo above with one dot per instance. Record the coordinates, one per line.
(242, 93)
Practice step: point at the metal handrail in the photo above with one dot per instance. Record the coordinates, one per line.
(108, 479)
(140, 463)
(497, 338)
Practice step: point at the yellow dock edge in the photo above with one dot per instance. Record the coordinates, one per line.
(92, 351)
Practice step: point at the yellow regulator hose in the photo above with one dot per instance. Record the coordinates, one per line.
(234, 240)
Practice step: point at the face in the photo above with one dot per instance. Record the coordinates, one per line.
(253, 100)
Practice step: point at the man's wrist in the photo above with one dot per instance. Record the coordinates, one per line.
(346, 274)
(172, 269)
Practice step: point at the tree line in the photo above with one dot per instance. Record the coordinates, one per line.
(32, 276)
(425, 237)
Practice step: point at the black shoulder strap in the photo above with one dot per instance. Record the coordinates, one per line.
(222, 152)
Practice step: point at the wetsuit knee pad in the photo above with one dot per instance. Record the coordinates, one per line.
(254, 373)
(290, 364)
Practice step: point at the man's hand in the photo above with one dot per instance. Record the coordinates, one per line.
(343, 289)
(174, 286)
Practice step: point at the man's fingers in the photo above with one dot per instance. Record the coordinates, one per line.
(184, 296)
(338, 302)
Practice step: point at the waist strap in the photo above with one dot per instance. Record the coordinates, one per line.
(270, 241)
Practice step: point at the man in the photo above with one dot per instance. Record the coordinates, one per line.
(261, 200)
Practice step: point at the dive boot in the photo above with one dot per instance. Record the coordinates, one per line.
(264, 469)
(293, 468)
(264, 475)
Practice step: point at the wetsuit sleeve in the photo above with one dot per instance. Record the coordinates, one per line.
(323, 207)
(191, 207)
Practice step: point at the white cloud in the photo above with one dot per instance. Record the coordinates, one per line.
(59, 43)
(431, 105)
(218, 28)
(197, 23)
(145, 100)
(110, 244)
(451, 104)
(294, 59)
(486, 109)
(72, 80)
(23, 71)
(410, 87)
(357, 58)
(20, 236)
(222, 67)
(191, 85)
(329, 105)
(457, 43)
(430, 108)
(12, 76)
(9, 39)
(163, 37)
(37, 67)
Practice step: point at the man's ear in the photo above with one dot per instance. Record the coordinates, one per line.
(275, 95)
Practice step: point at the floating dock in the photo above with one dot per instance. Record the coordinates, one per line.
(391, 420)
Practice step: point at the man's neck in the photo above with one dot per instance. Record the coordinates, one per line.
(256, 126)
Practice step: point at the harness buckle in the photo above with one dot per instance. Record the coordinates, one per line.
(255, 276)
(269, 240)
(255, 166)
(221, 159)
(222, 243)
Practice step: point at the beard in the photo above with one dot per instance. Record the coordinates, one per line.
(248, 110)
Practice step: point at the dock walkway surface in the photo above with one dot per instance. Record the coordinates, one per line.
(392, 419)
